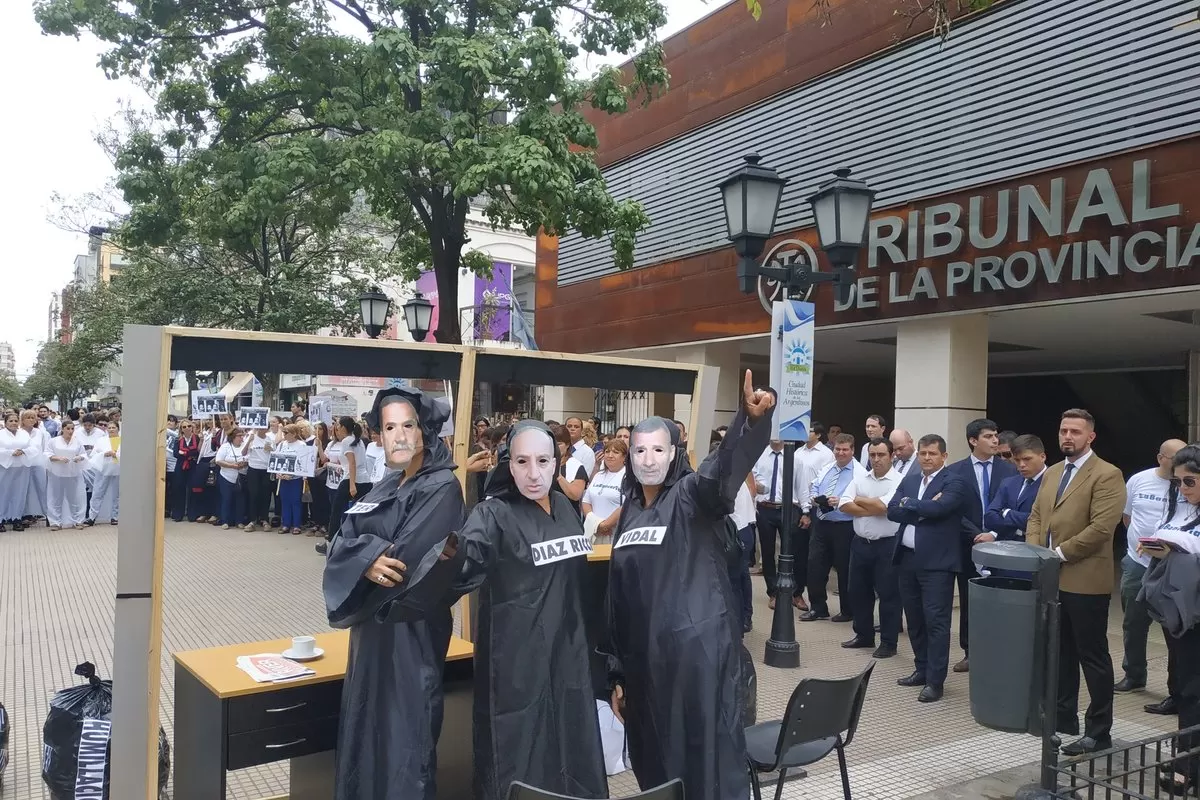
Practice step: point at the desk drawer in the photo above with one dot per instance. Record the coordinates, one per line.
(256, 712)
(284, 742)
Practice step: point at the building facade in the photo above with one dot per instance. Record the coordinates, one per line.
(1035, 231)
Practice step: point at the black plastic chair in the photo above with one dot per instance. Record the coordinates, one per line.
(671, 790)
(821, 717)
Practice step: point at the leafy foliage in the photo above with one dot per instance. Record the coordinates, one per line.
(12, 392)
(420, 105)
(66, 372)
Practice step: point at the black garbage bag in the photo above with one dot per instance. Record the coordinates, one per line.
(749, 689)
(76, 741)
(5, 725)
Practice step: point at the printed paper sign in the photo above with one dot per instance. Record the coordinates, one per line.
(253, 417)
(653, 535)
(792, 368)
(558, 549)
(92, 758)
(320, 409)
(206, 406)
(362, 508)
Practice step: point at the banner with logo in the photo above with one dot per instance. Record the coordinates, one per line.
(792, 329)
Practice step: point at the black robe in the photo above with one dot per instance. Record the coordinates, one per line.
(535, 707)
(392, 700)
(675, 639)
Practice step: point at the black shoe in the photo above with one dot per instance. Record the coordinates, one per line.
(1086, 745)
(858, 642)
(930, 694)
(811, 616)
(1166, 707)
(963, 666)
(322, 548)
(747, 626)
(1125, 686)
(884, 651)
(839, 617)
(916, 679)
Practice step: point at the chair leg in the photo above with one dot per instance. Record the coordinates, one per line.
(779, 783)
(754, 782)
(845, 775)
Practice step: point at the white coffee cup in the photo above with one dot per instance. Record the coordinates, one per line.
(304, 646)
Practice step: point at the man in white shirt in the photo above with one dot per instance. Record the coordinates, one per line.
(874, 427)
(813, 457)
(871, 569)
(1145, 508)
(768, 501)
(904, 452)
(832, 531)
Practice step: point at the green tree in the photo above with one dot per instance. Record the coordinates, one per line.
(12, 392)
(423, 105)
(66, 372)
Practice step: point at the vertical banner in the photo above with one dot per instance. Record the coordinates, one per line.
(792, 324)
(493, 303)
(426, 284)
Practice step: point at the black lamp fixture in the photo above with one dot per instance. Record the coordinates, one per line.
(418, 316)
(374, 306)
(842, 206)
(842, 209)
(751, 196)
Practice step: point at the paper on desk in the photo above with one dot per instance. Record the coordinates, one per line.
(271, 667)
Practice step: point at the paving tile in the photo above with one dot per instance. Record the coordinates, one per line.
(220, 587)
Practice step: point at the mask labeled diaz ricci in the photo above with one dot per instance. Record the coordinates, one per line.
(532, 463)
(651, 455)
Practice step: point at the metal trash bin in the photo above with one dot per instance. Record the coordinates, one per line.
(1009, 634)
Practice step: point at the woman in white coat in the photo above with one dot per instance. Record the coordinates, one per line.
(66, 496)
(14, 473)
(39, 440)
(106, 491)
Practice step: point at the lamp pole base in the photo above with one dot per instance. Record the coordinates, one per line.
(784, 655)
(1035, 792)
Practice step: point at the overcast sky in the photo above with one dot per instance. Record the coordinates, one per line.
(57, 99)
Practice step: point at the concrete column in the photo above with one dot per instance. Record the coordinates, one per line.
(560, 402)
(941, 377)
(725, 356)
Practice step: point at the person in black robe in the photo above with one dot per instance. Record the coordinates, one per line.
(535, 707)
(675, 636)
(389, 579)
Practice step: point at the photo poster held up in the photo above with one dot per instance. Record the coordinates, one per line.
(297, 464)
(253, 417)
(321, 410)
(206, 405)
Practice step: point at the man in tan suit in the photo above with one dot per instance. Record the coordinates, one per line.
(1075, 514)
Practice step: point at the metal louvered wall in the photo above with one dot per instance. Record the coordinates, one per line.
(1032, 85)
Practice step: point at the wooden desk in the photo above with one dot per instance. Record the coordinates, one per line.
(224, 720)
(600, 552)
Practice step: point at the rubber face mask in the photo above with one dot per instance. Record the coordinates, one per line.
(532, 464)
(651, 455)
(400, 433)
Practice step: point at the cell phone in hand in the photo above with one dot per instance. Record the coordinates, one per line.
(1151, 543)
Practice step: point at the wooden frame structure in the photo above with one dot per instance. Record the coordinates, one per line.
(152, 353)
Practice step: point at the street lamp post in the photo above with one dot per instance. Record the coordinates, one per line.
(374, 306)
(418, 316)
(842, 208)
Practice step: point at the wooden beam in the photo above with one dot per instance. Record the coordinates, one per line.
(704, 405)
(464, 434)
(138, 639)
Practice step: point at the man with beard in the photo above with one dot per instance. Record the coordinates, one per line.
(388, 579)
(535, 706)
(673, 626)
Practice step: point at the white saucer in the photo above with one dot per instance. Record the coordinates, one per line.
(317, 653)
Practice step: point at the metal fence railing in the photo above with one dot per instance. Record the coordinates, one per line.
(1134, 771)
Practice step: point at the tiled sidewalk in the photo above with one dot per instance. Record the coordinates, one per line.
(56, 610)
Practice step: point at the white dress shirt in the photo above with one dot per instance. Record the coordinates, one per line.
(769, 464)
(902, 466)
(585, 455)
(978, 470)
(1078, 464)
(869, 485)
(809, 461)
(908, 536)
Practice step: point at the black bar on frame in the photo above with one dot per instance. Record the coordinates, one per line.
(335, 358)
(583, 373)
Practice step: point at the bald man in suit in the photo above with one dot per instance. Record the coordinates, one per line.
(1075, 514)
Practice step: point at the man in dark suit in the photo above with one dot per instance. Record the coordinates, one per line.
(983, 470)
(929, 505)
(1008, 513)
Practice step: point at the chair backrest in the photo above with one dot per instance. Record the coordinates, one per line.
(820, 708)
(671, 790)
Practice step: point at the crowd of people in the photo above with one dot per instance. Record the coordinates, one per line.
(61, 471)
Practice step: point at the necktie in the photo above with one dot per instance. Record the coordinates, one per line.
(1028, 482)
(898, 464)
(1062, 485)
(774, 478)
(986, 490)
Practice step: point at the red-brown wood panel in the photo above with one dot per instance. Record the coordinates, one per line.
(697, 298)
